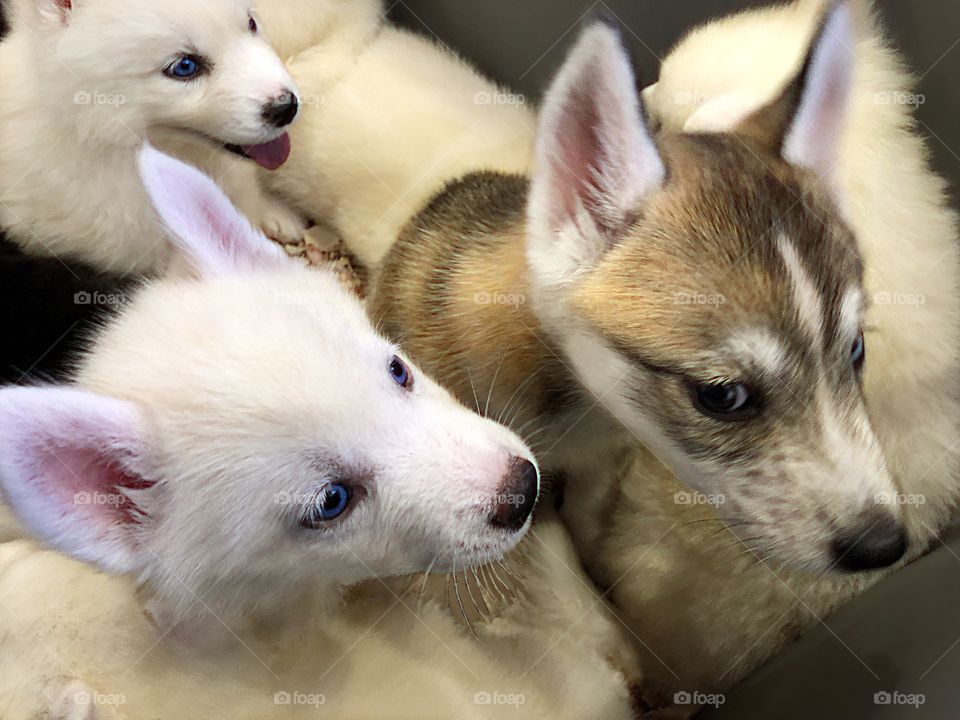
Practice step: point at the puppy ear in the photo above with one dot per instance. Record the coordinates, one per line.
(71, 469)
(205, 227)
(723, 113)
(806, 122)
(55, 11)
(595, 157)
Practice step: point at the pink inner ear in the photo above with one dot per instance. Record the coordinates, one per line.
(225, 230)
(58, 10)
(573, 165)
(81, 480)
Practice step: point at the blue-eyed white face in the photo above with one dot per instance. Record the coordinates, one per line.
(204, 68)
(251, 434)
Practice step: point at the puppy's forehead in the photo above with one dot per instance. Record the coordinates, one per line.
(210, 22)
(737, 239)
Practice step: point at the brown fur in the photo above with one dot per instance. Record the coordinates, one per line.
(711, 231)
(436, 294)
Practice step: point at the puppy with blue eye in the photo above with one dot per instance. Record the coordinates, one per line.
(84, 82)
(239, 437)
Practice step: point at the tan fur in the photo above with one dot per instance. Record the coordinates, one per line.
(704, 612)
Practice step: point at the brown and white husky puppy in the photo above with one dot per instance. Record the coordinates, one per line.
(720, 296)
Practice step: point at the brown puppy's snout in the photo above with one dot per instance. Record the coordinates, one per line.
(516, 495)
(877, 542)
(282, 110)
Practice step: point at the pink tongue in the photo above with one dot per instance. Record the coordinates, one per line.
(270, 155)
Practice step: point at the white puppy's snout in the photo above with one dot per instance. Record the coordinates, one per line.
(282, 110)
(516, 495)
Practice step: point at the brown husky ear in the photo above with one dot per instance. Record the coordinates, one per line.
(595, 157)
(804, 124)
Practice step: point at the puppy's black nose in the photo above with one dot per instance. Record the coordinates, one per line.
(282, 111)
(516, 496)
(876, 544)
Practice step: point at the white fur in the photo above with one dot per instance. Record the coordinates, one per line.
(75, 640)
(759, 347)
(214, 410)
(806, 296)
(709, 615)
(435, 116)
(82, 88)
(209, 409)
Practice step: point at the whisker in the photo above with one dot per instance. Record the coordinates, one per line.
(486, 408)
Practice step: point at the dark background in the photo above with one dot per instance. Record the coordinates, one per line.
(521, 43)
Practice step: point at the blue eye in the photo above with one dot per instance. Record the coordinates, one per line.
(400, 373)
(858, 352)
(184, 68)
(328, 505)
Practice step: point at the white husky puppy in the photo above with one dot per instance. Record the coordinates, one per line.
(294, 449)
(242, 442)
(83, 83)
(389, 116)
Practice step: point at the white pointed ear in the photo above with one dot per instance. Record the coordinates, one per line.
(595, 158)
(205, 227)
(814, 136)
(723, 113)
(71, 468)
(806, 122)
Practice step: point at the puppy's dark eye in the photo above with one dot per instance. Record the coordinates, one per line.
(253, 25)
(330, 503)
(723, 401)
(185, 67)
(400, 373)
(858, 352)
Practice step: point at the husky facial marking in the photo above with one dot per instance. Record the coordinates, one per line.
(740, 234)
(242, 435)
(702, 288)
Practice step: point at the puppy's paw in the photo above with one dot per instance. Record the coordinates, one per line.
(281, 223)
(70, 700)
